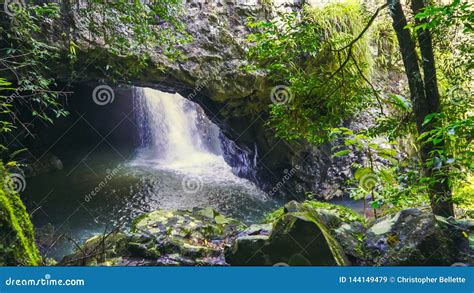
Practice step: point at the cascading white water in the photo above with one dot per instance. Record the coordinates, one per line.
(176, 135)
(179, 165)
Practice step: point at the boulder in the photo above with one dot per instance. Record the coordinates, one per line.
(467, 247)
(246, 249)
(414, 237)
(302, 239)
(298, 236)
(346, 226)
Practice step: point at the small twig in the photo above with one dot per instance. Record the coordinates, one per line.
(377, 96)
(374, 16)
(76, 244)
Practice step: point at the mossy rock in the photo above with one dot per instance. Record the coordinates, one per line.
(346, 226)
(17, 244)
(100, 250)
(192, 234)
(414, 237)
(296, 238)
(198, 223)
(162, 237)
(343, 213)
(303, 236)
(246, 248)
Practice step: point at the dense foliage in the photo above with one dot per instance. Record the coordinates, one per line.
(323, 55)
(333, 63)
(309, 53)
(33, 42)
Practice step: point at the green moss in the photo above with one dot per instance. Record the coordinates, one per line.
(345, 214)
(17, 243)
(273, 216)
(133, 226)
(335, 247)
(339, 24)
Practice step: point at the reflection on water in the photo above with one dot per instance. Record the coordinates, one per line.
(179, 165)
(66, 199)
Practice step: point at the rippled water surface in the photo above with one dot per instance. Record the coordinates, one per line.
(179, 165)
(65, 200)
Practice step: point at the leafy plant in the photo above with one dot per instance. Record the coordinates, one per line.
(375, 171)
(312, 53)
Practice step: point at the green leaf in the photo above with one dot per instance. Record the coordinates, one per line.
(342, 153)
(361, 172)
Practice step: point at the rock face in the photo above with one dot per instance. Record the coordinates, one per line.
(210, 74)
(413, 237)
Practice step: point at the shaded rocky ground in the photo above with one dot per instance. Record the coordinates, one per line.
(309, 233)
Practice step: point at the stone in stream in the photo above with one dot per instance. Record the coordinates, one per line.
(339, 223)
(163, 237)
(308, 233)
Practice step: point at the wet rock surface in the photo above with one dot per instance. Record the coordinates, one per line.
(298, 234)
(162, 237)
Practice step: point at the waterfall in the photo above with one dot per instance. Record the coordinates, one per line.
(176, 135)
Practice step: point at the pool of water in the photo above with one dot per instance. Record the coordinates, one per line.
(179, 165)
(105, 190)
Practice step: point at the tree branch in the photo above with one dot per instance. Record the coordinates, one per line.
(374, 16)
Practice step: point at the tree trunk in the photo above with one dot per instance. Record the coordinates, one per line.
(424, 96)
(441, 201)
